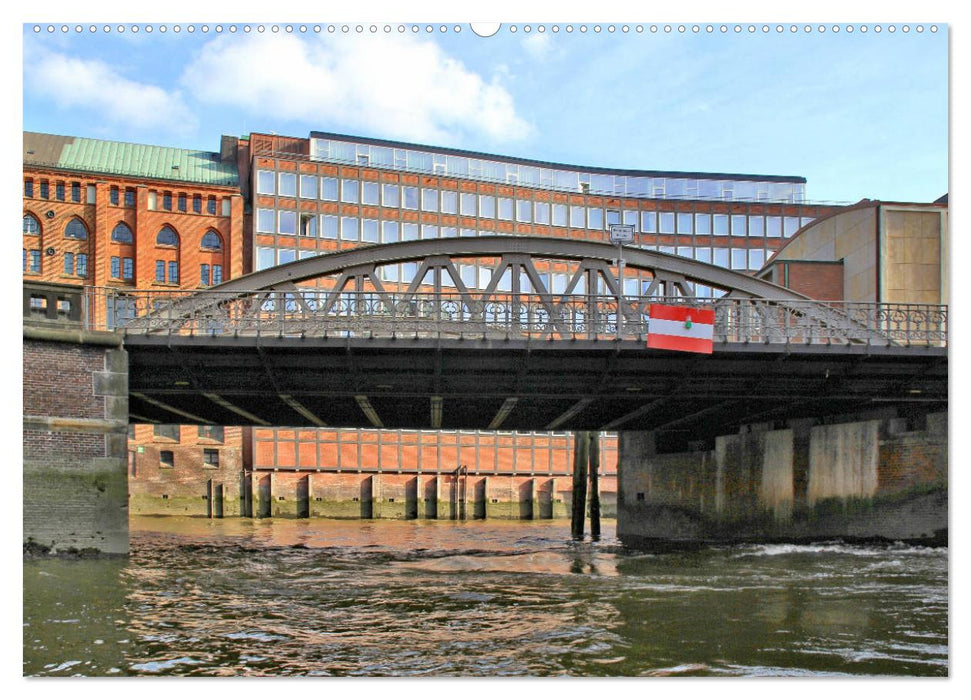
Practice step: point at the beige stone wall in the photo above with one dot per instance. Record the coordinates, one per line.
(915, 256)
(850, 236)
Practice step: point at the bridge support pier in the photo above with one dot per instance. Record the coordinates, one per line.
(75, 455)
(877, 479)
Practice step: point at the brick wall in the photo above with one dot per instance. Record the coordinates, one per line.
(50, 367)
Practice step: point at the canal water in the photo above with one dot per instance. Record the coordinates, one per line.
(278, 597)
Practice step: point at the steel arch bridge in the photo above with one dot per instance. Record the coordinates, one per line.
(352, 296)
(326, 341)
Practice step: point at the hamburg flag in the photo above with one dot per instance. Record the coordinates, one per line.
(681, 328)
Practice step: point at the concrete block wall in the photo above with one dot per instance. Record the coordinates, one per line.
(860, 479)
(75, 420)
(296, 493)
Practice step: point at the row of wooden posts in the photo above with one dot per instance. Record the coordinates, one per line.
(586, 459)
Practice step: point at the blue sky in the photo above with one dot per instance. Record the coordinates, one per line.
(859, 115)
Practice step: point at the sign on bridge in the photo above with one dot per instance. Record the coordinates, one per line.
(681, 328)
(621, 233)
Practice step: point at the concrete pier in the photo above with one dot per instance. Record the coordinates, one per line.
(881, 478)
(75, 425)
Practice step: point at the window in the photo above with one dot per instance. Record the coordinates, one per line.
(577, 217)
(82, 265)
(390, 195)
(173, 272)
(160, 271)
(409, 232)
(212, 241)
(450, 202)
(429, 231)
(287, 255)
(211, 432)
(467, 204)
(265, 257)
(429, 200)
(790, 225)
(76, 230)
(756, 226)
(28, 188)
(756, 258)
(167, 236)
(217, 274)
(288, 185)
(559, 214)
(182, 202)
(369, 231)
(739, 225)
(129, 197)
(204, 275)
(409, 197)
(211, 205)
(505, 208)
(59, 191)
(685, 222)
(113, 195)
(288, 222)
(542, 211)
(389, 231)
(127, 269)
(773, 226)
(721, 224)
(349, 228)
(122, 234)
(524, 211)
(31, 260)
(115, 267)
(349, 191)
(595, 218)
(45, 192)
(369, 193)
(167, 201)
(721, 257)
(308, 225)
(210, 458)
(75, 191)
(265, 182)
(68, 263)
(166, 459)
(487, 206)
(703, 255)
(265, 220)
(328, 227)
(739, 259)
(197, 203)
(648, 222)
(31, 225)
(665, 222)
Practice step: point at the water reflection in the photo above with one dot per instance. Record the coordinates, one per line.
(298, 597)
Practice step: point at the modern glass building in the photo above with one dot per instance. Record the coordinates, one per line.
(333, 192)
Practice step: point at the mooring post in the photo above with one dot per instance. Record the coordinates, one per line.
(595, 486)
(581, 444)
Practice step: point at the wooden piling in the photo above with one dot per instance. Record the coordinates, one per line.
(595, 486)
(581, 444)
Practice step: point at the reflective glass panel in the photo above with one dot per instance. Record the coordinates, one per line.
(577, 217)
(389, 231)
(450, 202)
(265, 220)
(756, 226)
(542, 211)
(559, 215)
(467, 203)
(524, 211)
(288, 184)
(308, 186)
(369, 193)
(685, 222)
(369, 230)
(389, 195)
(505, 208)
(649, 222)
(409, 197)
(773, 225)
(703, 224)
(349, 191)
(595, 218)
(429, 199)
(666, 222)
(487, 206)
(328, 188)
(265, 182)
(349, 227)
(328, 227)
(739, 225)
(288, 222)
(721, 224)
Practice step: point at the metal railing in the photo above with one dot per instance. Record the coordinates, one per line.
(313, 312)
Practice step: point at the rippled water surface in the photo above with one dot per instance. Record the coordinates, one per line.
(425, 598)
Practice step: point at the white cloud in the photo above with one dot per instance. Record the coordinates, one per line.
(401, 87)
(72, 83)
(538, 45)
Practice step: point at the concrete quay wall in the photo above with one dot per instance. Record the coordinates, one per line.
(75, 423)
(353, 494)
(857, 480)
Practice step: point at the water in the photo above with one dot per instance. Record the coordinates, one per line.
(484, 598)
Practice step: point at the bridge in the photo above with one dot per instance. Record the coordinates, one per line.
(326, 341)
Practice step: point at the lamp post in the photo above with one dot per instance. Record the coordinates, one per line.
(620, 234)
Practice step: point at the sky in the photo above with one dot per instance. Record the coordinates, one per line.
(857, 114)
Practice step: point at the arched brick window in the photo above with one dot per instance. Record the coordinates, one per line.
(31, 225)
(212, 241)
(167, 236)
(75, 229)
(122, 234)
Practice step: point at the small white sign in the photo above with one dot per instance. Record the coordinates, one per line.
(621, 233)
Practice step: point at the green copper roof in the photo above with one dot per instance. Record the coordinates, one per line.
(131, 159)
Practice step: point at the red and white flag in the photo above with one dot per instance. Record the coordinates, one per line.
(681, 328)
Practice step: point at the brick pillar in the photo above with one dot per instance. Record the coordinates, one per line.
(75, 430)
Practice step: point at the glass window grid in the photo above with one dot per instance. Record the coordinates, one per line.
(309, 186)
(429, 199)
(328, 189)
(265, 182)
(450, 202)
(288, 185)
(370, 193)
(350, 191)
(434, 163)
(287, 222)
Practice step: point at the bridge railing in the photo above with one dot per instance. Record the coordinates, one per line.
(314, 312)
